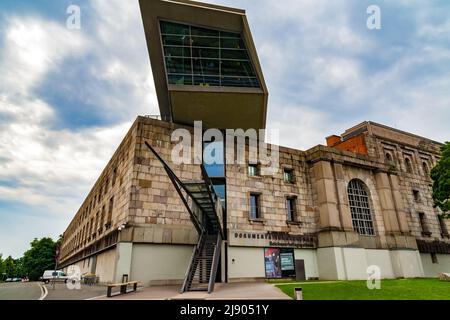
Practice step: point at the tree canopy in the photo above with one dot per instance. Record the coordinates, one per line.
(39, 258)
(441, 181)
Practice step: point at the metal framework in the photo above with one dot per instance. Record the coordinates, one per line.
(203, 267)
(360, 208)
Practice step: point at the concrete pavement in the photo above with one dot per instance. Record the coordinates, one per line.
(225, 291)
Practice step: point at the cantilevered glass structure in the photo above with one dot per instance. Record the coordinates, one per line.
(204, 64)
(206, 57)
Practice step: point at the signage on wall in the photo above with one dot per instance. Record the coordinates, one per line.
(280, 239)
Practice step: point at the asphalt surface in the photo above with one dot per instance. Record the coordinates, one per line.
(63, 292)
(20, 291)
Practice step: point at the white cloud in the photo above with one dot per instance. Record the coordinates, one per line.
(51, 170)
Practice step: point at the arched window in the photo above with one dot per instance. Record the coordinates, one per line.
(360, 208)
(425, 168)
(408, 165)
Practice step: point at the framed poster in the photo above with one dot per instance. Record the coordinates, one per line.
(279, 263)
(272, 263)
(287, 263)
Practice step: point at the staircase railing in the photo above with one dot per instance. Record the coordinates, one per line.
(200, 227)
(178, 184)
(191, 268)
(215, 264)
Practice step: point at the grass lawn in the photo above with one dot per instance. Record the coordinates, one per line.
(401, 289)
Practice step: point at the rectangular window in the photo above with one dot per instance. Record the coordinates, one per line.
(290, 206)
(443, 226)
(214, 158)
(416, 194)
(255, 210)
(423, 225)
(110, 210)
(114, 177)
(288, 175)
(252, 170)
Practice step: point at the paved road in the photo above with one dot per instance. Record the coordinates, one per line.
(20, 291)
(62, 292)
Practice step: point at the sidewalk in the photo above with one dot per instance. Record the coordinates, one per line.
(225, 291)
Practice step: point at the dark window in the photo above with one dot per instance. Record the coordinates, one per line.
(114, 177)
(424, 225)
(291, 208)
(206, 57)
(434, 258)
(102, 220)
(416, 194)
(110, 210)
(255, 210)
(443, 226)
(388, 157)
(408, 165)
(426, 171)
(360, 208)
(253, 170)
(288, 175)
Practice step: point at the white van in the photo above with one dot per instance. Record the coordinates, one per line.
(52, 275)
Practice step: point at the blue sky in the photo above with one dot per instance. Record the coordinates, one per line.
(67, 97)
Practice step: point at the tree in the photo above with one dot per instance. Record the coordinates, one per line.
(441, 181)
(20, 268)
(39, 258)
(9, 267)
(2, 268)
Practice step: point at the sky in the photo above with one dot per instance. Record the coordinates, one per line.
(68, 97)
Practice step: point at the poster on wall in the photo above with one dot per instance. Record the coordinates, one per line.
(279, 263)
(272, 263)
(287, 263)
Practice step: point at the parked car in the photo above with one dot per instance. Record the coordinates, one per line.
(17, 280)
(9, 280)
(52, 275)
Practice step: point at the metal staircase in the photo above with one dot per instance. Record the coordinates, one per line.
(205, 210)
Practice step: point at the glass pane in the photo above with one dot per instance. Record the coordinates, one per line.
(180, 79)
(232, 43)
(237, 68)
(220, 190)
(207, 81)
(253, 206)
(206, 67)
(174, 28)
(184, 52)
(176, 40)
(239, 82)
(224, 34)
(178, 65)
(205, 42)
(214, 159)
(196, 31)
(252, 170)
(205, 53)
(234, 54)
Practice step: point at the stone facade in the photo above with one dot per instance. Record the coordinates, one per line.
(154, 219)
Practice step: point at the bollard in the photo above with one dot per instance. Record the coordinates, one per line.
(298, 294)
